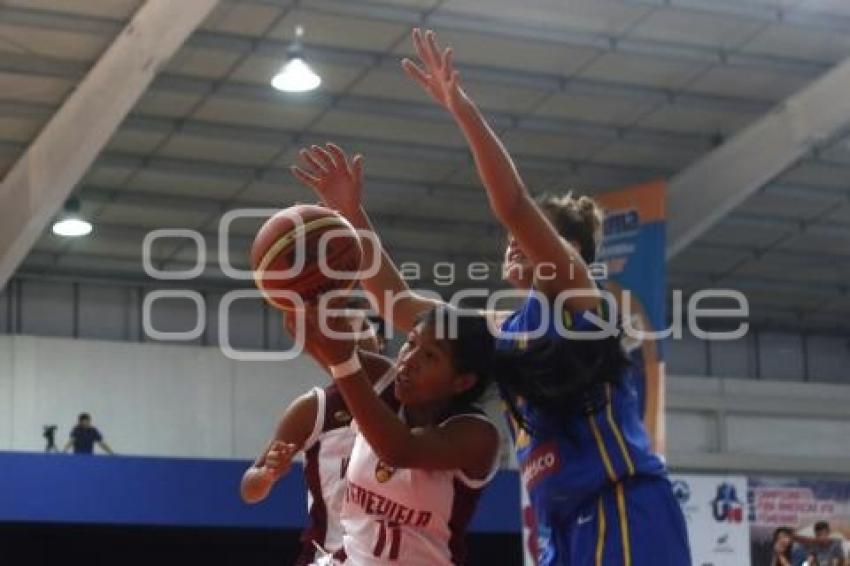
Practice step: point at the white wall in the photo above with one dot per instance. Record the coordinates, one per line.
(147, 399)
(159, 399)
(717, 424)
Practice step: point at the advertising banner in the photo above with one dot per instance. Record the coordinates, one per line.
(797, 504)
(633, 251)
(715, 509)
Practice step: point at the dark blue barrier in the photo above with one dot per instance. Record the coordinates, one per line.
(177, 492)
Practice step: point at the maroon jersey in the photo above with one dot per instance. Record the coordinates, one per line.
(326, 455)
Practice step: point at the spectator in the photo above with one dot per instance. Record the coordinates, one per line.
(826, 551)
(784, 551)
(84, 436)
(781, 547)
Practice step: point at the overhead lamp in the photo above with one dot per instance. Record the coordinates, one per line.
(69, 224)
(296, 75)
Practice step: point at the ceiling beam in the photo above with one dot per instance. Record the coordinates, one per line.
(478, 220)
(486, 24)
(40, 181)
(798, 226)
(490, 25)
(757, 283)
(538, 81)
(639, 135)
(787, 13)
(593, 175)
(706, 191)
(837, 261)
(807, 192)
(387, 147)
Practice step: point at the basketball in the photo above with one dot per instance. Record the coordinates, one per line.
(298, 231)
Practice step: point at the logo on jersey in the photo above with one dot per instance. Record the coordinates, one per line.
(383, 473)
(542, 462)
(342, 416)
(726, 507)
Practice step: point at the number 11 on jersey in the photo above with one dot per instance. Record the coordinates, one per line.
(395, 539)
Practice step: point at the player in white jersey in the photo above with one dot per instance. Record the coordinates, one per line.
(415, 473)
(316, 423)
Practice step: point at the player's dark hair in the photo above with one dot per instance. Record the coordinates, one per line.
(84, 417)
(821, 526)
(559, 377)
(472, 347)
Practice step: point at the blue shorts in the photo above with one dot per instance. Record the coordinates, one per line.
(636, 522)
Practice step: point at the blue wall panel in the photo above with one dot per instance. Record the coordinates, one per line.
(177, 492)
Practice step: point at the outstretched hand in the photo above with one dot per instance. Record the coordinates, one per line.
(335, 178)
(278, 459)
(436, 73)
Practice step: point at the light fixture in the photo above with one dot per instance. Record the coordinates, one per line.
(70, 224)
(296, 75)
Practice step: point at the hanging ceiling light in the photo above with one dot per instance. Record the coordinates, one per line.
(70, 224)
(296, 75)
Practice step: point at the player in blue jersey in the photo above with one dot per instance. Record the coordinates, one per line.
(599, 494)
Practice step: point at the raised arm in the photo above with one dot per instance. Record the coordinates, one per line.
(464, 443)
(509, 199)
(338, 181)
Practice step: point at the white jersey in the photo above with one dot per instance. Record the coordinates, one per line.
(406, 516)
(326, 454)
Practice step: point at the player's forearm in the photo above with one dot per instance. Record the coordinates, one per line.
(255, 485)
(388, 436)
(498, 173)
(396, 302)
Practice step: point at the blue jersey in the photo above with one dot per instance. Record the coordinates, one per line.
(578, 466)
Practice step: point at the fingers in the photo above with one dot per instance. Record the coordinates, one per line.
(307, 178)
(419, 46)
(416, 73)
(357, 168)
(448, 64)
(325, 158)
(433, 50)
(280, 455)
(307, 155)
(423, 49)
(339, 156)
